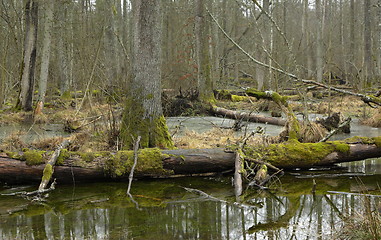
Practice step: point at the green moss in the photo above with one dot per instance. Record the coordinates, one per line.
(150, 96)
(237, 98)
(222, 94)
(96, 92)
(153, 130)
(33, 157)
(48, 172)
(87, 157)
(66, 95)
(293, 153)
(64, 154)
(377, 141)
(274, 96)
(13, 155)
(341, 147)
(149, 163)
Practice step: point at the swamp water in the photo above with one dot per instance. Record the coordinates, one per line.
(166, 210)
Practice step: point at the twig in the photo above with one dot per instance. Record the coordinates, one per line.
(204, 194)
(130, 177)
(265, 163)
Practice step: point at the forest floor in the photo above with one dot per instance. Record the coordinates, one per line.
(96, 123)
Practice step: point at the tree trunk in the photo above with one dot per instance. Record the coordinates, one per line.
(204, 80)
(319, 43)
(63, 47)
(168, 163)
(45, 55)
(143, 115)
(29, 63)
(368, 66)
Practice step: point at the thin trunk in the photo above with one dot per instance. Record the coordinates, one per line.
(319, 43)
(29, 63)
(306, 42)
(368, 71)
(379, 39)
(204, 80)
(111, 53)
(45, 55)
(62, 48)
(352, 69)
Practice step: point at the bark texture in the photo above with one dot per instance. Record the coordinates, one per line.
(29, 63)
(74, 166)
(143, 115)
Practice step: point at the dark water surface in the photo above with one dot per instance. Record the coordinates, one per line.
(167, 211)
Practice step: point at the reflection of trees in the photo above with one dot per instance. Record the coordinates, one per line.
(277, 222)
(173, 213)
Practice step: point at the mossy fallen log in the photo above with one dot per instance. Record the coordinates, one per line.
(247, 116)
(153, 162)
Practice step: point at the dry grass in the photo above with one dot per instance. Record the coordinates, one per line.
(210, 139)
(312, 132)
(217, 138)
(13, 142)
(361, 227)
(374, 120)
(348, 105)
(47, 143)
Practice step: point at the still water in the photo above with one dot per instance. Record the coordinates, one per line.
(166, 210)
(289, 210)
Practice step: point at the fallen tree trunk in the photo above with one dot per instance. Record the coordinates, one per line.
(247, 116)
(100, 166)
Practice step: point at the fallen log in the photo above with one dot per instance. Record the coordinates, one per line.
(247, 116)
(156, 163)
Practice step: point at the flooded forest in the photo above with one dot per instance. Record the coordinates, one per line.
(178, 119)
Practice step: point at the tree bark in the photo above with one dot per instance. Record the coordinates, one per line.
(29, 64)
(45, 55)
(143, 115)
(204, 80)
(368, 66)
(319, 43)
(77, 167)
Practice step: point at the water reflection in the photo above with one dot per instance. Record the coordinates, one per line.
(103, 211)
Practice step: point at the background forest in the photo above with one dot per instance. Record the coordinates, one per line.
(86, 44)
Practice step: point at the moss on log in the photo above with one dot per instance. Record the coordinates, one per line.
(153, 162)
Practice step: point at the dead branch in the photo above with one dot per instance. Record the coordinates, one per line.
(365, 98)
(49, 167)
